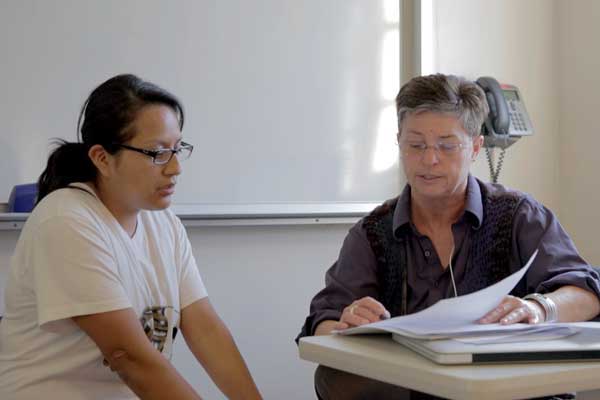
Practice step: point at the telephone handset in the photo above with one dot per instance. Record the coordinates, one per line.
(508, 119)
(506, 122)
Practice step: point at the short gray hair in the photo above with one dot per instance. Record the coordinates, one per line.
(445, 94)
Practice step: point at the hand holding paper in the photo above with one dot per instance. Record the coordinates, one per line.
(453, 315)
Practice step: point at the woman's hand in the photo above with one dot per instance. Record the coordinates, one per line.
(361, 312)
(513, 310)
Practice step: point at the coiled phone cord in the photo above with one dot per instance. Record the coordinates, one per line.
(494, 172)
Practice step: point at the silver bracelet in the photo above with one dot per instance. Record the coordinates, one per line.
(547, 304)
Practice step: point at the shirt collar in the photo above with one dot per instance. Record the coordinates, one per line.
(474, 204)
(401, 218)
(473, 207)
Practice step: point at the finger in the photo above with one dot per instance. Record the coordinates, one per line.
(534, 319)
(517, 315)
(353, 319)
(374, 306)
(508, 304)
(365, 313)
(497, 313)
(350, 316)
(340, 326)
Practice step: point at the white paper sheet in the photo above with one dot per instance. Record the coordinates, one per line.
(453, 315)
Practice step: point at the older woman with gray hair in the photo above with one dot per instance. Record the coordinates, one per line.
(395, 261)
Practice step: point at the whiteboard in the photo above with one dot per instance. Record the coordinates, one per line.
(287, 102)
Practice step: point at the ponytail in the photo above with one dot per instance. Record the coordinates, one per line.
(68, 163)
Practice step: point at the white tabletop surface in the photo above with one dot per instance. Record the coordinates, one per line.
(379, 357)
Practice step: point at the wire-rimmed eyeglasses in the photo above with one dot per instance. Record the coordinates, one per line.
(443, 148)
(163, 156)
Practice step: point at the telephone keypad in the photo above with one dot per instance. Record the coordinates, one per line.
(516, 118)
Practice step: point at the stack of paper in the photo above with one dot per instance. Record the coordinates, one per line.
(457, 318)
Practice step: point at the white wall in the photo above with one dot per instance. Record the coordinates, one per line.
(579, 134)
(261, 280)
(515, 42)
(549, 50)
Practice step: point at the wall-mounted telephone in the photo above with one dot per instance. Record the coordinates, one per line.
(508, 119)
(506, 122)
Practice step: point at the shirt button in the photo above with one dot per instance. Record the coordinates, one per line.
(427, 253)
(435, 284)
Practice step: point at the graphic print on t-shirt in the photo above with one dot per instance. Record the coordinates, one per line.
(159, 323)
(159, 326)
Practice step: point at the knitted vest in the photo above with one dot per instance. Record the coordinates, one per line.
(489, 254)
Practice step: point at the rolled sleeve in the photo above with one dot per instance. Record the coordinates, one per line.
(351, 277)
(558, 262)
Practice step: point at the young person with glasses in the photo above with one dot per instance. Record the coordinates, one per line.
(103, 275)
(448, 233)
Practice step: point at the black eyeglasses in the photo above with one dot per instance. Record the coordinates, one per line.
(163, 156)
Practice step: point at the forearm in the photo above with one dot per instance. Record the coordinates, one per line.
(575, 304)
(151, 376)
(121, 339)
(211, 343)
(222, 360)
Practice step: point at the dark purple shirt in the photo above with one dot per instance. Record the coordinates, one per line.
(354, 275)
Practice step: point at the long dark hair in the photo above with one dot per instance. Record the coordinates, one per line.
(104, 119)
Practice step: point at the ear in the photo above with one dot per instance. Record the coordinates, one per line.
(477, 145)
(101, 159)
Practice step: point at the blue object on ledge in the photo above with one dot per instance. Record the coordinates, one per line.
(22, 198)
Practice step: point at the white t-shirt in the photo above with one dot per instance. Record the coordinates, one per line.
(74, 258)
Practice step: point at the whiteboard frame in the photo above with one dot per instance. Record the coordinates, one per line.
(219, 215)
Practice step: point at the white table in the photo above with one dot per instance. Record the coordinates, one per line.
(379, 357)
